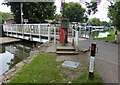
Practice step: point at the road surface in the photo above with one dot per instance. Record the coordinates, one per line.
(106, 59)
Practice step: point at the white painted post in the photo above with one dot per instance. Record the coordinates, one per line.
(55, 34)
(80, 32)
(73, 35)
(76, 39)
(16, 30)
(7, 29)
(11, 29)
(23, 31)
(48, 33)
(39, 27)
(31, 33)
(85, 31)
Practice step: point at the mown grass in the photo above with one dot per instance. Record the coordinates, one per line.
(110, 36)
(84, 78)
(44, 69)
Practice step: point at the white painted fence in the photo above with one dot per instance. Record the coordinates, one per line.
(39, 30)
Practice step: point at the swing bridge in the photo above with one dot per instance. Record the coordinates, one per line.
(35, 32)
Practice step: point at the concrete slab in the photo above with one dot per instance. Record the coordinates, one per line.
(67, 52)
(51, 48)
(5, 40)
(70, 64)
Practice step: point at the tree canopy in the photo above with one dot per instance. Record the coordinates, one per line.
(3, 17)
(91, 8)
(35, 12)
(114, 14)
(74, 12)
(94, 22)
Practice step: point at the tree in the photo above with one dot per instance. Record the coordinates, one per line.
(114, 14)
(57, 16)
(105, 23)
(35, 12)
(3, 17)
(94, 22)
(74, 12)
(91, 7)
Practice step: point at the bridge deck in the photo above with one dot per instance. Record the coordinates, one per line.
(5, 40)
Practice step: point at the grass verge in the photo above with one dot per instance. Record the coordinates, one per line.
(84, 78)
(44, 69)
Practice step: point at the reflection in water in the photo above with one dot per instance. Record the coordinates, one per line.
(95, 34)
(5, 58)
(13, 53)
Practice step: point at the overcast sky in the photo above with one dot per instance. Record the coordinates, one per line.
(102, 8)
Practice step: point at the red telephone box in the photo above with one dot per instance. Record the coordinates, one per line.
(64, 30)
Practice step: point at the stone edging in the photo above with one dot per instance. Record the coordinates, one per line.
(5, 77)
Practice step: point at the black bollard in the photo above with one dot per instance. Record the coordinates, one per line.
(92, 61)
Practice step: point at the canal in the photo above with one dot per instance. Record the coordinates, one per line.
(95, 34)
(11, 54)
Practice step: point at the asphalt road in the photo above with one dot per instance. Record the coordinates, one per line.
(106, 60)
(106, 51)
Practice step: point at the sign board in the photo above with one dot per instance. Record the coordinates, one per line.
(25, 20)
(65, 23)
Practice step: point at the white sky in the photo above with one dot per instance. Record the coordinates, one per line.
(102, 8)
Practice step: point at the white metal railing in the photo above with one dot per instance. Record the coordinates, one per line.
(50, 30)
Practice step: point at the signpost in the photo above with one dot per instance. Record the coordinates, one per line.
(25, 20)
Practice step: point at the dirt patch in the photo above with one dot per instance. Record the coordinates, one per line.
(82, 58)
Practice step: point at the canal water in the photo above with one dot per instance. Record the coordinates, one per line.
(11, 54)
(95, 34)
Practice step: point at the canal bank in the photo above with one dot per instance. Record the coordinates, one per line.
(5, 77)
(12, 54)
(44, 66)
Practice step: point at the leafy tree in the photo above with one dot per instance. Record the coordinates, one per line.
(91, 7)
(105, 23)
(35, 12)
(3, 17)
(57, 16)
(74, 12)
(114, 14)
(94, 22)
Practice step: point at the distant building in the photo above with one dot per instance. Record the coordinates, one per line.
(10, 20)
